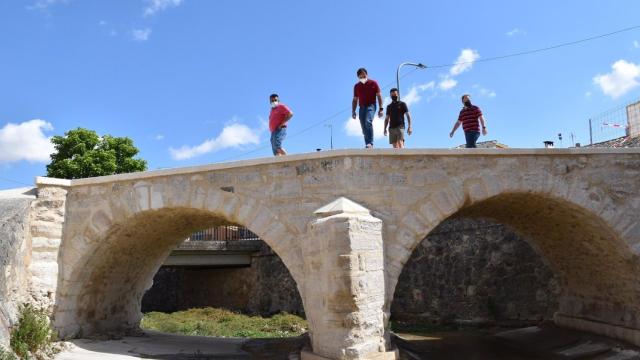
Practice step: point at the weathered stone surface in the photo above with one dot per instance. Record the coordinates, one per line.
(14, 233)
(474, 270)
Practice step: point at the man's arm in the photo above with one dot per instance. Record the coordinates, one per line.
(354, 104)
(455, 127)
(483, 124)
(409, 129)
(379, 96)
(286, 119)
(386, 123)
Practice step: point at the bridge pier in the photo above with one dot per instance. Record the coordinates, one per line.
(344, 290)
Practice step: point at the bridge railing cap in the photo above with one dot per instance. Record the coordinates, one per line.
(341, 205)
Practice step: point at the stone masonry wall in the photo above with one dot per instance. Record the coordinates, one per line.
(468, 269)
(265, 288)
(14, 226)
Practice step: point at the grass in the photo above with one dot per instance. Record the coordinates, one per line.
(6, 354)
(224, 323)
(32, 333)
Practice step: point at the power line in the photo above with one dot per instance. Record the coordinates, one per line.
(15, 181)
(529, 52)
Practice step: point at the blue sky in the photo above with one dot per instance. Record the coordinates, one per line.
(189, 80)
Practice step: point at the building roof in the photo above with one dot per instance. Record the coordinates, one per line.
(491, 144)
(621, 142)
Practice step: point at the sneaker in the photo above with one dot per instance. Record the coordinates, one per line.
(369, 146)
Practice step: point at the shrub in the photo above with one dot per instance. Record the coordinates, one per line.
(31, 333)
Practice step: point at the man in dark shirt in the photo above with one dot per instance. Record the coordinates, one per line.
(395, 120)
(470, 118)
(365, 93)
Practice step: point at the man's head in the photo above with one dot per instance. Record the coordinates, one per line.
(362, 75)
(466, 99)
(274, 100)
(394, 94)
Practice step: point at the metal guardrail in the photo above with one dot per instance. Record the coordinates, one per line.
(223, 233)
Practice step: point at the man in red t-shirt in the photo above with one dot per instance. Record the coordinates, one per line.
(278, 118)
(470, 118)
(365, 93)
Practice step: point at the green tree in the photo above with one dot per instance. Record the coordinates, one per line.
(81, 153)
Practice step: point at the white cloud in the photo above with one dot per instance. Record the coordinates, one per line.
(622, 79)
(141, 34)
(447, 83)
(588, 94)
(515, 32)
(233, 135)
(44, 5)
(464, 62)
(636, 44)
(154, 6)
(352, 127)
(482, 91)
(412, 97)
(25, 141)
(159, 137)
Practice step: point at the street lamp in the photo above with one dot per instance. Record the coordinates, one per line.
(418, 65)
(330, 126)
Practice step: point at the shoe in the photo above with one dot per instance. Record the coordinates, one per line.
(369, 146)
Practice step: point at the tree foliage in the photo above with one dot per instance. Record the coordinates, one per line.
(81, 153)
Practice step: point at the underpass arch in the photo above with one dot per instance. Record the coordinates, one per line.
(109, 257)
(569, 223)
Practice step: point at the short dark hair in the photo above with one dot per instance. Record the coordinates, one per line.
(465, 95)
(273, 96)
(392, 90)
(361, 71)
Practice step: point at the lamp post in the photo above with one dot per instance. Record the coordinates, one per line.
(330, 126)
(418, 65)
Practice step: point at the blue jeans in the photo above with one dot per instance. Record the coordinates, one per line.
(471, 138)
(366, 122)
(276, 139)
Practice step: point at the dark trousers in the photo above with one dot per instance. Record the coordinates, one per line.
(471, 137)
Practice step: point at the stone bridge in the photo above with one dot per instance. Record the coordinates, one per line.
(344, 223)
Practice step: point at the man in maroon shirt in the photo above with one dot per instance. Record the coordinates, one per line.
(470, 118)
(365, 93)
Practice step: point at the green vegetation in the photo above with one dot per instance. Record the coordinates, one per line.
(32, 333)
(6, 354)
(81, 153)
(224, 323)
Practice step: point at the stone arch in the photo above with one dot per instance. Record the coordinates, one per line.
(107, 261)
(585, 236)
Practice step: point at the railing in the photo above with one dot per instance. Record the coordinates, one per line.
(223, 233)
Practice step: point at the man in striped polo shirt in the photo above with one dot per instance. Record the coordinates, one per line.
(471, 119)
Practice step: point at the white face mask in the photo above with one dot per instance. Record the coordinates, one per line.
(274, 104)
(363, 80)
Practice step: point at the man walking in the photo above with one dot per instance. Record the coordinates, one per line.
(278, 118)
(365, 93)
(396, 112)
(471, 119)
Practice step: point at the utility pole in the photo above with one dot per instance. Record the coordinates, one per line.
(590, 133)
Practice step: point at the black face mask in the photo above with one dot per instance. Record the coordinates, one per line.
(394, 98)
(467, 103)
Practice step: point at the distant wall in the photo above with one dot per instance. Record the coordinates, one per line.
(469, 269)
(465, 269)
(264, 288)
